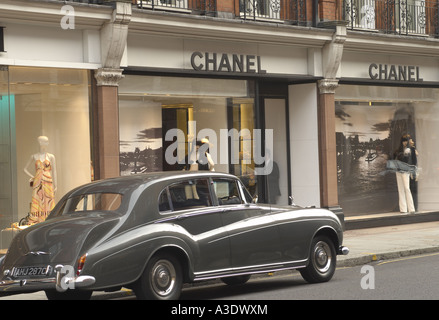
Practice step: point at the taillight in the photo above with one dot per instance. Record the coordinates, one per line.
(81, 262)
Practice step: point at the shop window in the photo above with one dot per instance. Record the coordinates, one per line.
(44, 116)
(370, 124)
(170, 123)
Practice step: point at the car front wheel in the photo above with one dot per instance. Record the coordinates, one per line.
(322, 261)
(161, 280)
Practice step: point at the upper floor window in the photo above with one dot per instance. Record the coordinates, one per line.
(260, 9)
(165, 4)
(400, 16)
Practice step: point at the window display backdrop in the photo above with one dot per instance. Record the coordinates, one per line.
(53, 103)
(369, 124)
(151, 106)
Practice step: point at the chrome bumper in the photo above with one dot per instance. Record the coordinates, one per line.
(64, 281)
(343, 250)
(61, 282)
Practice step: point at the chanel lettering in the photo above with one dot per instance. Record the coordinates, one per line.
(394, 72)
(226, 62)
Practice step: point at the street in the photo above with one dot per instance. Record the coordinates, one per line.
(411, 278)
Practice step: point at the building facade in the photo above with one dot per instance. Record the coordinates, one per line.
(302, 98)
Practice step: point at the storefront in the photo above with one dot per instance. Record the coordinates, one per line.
(177, 92)
(380, 99)
(45, 141)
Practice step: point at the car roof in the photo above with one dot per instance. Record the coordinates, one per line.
(124, 184)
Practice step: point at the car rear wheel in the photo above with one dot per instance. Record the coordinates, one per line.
(322, 261)
(161, 280)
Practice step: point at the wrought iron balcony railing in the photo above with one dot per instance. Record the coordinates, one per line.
(291, 11)
(405, 17)
(201, 6)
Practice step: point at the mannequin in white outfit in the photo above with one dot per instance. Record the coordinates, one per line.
(404, 154)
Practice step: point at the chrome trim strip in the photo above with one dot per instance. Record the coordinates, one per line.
(216, 276)
(204, 275)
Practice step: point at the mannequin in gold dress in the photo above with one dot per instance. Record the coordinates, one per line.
(43, 182)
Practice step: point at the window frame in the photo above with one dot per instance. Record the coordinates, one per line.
(172, 208)
(239, 186)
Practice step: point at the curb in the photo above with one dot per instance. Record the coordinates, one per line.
(375, 257)
(374, 221)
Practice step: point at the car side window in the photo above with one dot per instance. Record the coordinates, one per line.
(186, 194)
(164, 201)
(227, 192)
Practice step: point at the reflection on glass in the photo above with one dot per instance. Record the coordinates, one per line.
(368, 133)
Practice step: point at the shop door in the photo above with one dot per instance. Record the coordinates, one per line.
(176, 117)
(277, 181)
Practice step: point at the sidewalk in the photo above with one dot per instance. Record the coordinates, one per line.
(414, 234)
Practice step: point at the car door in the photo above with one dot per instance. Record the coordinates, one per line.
(254, 241)
(190, 201)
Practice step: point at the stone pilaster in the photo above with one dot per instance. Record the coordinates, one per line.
(327, 144)
(113, 45)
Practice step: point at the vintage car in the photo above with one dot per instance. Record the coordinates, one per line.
(153, 232)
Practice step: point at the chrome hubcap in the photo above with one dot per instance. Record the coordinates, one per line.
(322, 257)
(163, 277)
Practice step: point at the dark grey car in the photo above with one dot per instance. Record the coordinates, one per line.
(154, 232)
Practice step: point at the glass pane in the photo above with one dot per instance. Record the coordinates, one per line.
(371, 122)
(8, 212)
(166, 123)
(242, 122)
(92, 202)
(52, 136)
(190, 194)
(164, 201)
(227, 192)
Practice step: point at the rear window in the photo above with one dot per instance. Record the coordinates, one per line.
(91, 202)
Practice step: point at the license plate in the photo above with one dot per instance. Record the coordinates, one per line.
(31, 271)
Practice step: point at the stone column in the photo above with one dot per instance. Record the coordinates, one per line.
(107, 122)
(327, 144)
(113, 44)
(331, 58)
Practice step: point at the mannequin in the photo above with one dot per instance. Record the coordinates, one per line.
(405, 154)
(43, 182)
(203, 163)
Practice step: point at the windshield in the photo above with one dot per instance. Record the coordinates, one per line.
(91, 202)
